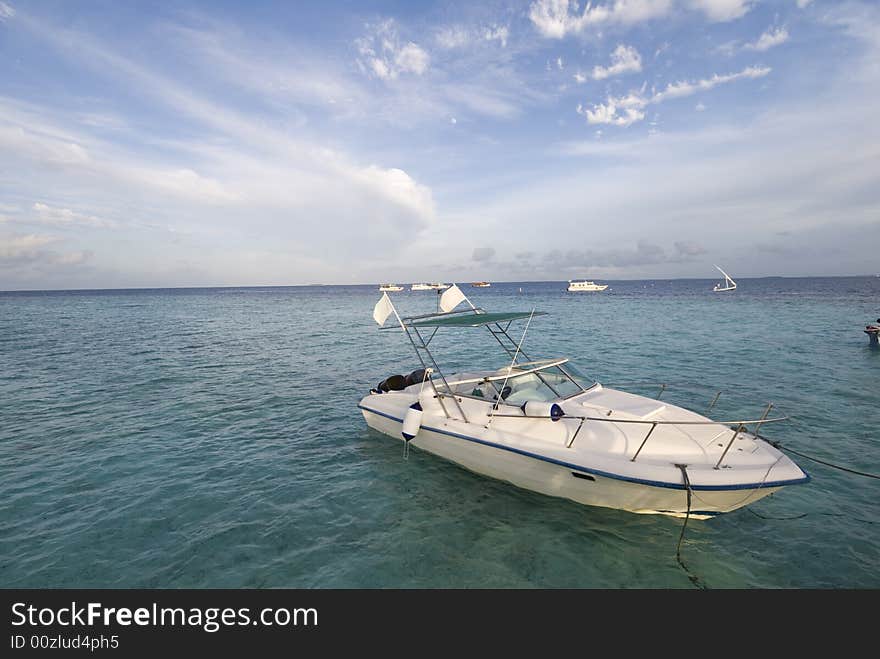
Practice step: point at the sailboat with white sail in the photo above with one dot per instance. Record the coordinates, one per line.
(728, 285)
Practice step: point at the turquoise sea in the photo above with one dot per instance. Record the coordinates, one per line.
(211, 438)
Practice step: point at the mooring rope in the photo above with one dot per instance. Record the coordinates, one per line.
(694, 578)
(804, 428)
(779, 445)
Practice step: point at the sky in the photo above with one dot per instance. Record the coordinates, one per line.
(224, 143)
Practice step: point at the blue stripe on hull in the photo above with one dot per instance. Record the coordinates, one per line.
(606, 474)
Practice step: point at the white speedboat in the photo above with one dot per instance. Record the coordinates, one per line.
(542, 426)
(575, 285)
(481, 284)
(429, 287)
(390, 287)
(728, 285)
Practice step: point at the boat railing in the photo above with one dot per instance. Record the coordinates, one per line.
(738, 426)
(663, 387)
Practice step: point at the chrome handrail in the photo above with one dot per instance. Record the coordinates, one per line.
(740, 426)
(659, 422)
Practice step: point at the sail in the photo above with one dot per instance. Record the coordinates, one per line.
(729, 284)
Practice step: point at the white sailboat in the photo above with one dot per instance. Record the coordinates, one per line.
(728, 285)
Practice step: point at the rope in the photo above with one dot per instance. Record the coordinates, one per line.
(781, 519)
(848, 470)
(802, 515)
(823, 462)
(693, 578)
(751, 493)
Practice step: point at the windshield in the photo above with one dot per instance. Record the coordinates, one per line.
(544, 380)
(576, 374)
(546, 384)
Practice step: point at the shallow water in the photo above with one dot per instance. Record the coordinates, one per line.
(211, 438)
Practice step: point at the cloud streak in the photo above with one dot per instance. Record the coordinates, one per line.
(768, 40)
(556, 19)
(64, 217)
(626, 110)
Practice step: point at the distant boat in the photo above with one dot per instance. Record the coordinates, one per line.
(728, 285)
(575, 285)
(873, 332)
(481, 284)
(428, 287)
(390, 287)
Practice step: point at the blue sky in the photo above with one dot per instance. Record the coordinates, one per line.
(229, 143)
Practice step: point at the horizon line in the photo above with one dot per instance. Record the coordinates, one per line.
(312, 285)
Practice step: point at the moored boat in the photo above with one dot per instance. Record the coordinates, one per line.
(576, 285)
(543, 426)
(434, 286)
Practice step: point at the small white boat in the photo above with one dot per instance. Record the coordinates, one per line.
(728, 285)
(575, 285)
(873, 332)
(390, 287)
(541, 425)
(429, 287)
(480, 284)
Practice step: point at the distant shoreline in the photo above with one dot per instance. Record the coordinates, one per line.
(372, 284)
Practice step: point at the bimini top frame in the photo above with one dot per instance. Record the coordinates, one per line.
(420, 331)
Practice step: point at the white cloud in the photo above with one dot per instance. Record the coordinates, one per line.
(412, 59)
(624, 59)
(722, 10)
(700, 107)
(767, 40)
(398, 186)
(6, 11)
(684, 88)
(453, 36)
(621, 111)
(497, 33)
(73, 258)
(556, 18)
(18, 250)
(626, 110)
(45, 214)
(24, 247)
(803, 3)
(387, 58)
(580, 78)
(559, 63)
(450, 37)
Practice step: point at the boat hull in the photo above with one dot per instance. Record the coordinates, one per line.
(583, 486)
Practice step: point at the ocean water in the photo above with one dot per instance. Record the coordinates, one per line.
(211, 438)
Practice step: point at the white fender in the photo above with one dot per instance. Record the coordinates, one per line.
(412, 421)
(540, 408)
